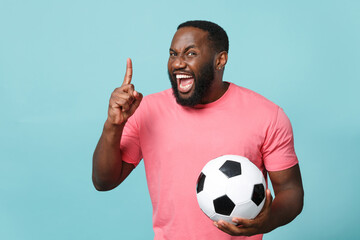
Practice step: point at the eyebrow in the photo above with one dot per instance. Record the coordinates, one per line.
(186, 49)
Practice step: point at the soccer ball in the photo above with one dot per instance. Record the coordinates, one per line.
(230, 186)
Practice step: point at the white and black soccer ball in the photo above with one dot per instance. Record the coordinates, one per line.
(230, 186)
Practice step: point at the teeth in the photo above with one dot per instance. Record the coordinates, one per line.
(183, 76)
(185, 88)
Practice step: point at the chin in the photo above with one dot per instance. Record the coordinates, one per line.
(186, 95)
(189, 101)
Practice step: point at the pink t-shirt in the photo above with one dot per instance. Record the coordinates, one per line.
(176, 142)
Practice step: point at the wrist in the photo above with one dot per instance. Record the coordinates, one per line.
(110, 126)
(270, 225)
(113, 131)
(274, 219)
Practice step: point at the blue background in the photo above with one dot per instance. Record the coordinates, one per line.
(60, 60)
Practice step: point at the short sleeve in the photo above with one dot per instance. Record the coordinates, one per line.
(278, 148)
(130, 142)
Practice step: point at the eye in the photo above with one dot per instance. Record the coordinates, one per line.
(172, 54)
(191, 53)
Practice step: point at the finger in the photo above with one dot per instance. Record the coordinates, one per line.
(235, 230)
(121, 99)
(242, 222)
(129, 88)
(129, 72)
(125, 89)
(127, 101)
(119, 103)
(127, 95)
(221, 227)
(228, 228)
(138, 97)
(268, 200)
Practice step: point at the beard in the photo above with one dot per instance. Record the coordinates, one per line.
(202, 85)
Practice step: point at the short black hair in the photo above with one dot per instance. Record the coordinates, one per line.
(216, 33)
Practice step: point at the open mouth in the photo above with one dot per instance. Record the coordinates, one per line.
(185, 82)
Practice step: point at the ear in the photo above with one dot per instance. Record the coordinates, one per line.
(221, 60)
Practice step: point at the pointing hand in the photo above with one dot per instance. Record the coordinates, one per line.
(124, 100)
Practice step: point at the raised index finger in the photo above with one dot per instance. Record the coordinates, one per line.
(128, 74)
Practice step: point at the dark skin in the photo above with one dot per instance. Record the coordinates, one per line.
(287, 204)
(190, 50)
(108, 168)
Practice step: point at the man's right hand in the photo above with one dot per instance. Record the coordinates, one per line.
(124, 100)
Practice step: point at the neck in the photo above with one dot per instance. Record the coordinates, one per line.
(216, 91)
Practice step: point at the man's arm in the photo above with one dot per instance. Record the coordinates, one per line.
(287, 204)
(289, 196)
(108, 168)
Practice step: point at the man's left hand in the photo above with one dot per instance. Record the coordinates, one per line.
(249, 227)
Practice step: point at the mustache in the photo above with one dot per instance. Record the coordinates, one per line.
(181, 72)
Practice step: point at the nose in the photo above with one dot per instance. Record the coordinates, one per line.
(179, 63)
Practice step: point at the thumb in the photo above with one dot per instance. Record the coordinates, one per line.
(269, 198)
(138, 97)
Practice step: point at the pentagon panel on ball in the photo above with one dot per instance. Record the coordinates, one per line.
(230, 186)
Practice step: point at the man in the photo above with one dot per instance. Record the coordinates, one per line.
(178, 130)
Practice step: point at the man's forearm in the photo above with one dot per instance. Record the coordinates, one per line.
(107, 161)
(285, 207)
